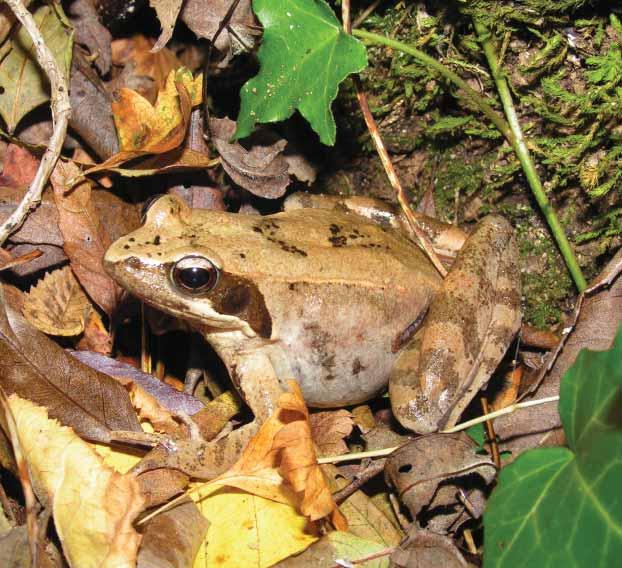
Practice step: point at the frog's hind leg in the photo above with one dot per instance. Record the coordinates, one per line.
(470, 324)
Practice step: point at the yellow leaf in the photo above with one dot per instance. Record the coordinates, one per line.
(93, 506)
(157, 128)
(247, 531)
(57, 305)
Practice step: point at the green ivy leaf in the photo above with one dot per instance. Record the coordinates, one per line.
(563, 506)
(304, 56)
(23, 84)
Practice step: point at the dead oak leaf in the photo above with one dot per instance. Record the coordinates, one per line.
(57, 305)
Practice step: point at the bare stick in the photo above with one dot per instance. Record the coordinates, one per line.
(463, 426)
(402, 199)
(61, 109)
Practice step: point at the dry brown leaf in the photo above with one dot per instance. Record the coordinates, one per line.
(167, 12)
(33, 365)
(20, 167)
(262, 169)
(144, 128)
(329, 430)
(282, 456)
(57, 305)
(204, 19)
(70, 476)
(85, 237)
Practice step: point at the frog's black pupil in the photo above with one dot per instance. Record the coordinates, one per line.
(195, 277)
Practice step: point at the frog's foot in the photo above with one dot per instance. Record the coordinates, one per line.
(469, 326)
(203, 460)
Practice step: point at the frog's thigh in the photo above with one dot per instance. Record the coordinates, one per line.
(471, 321)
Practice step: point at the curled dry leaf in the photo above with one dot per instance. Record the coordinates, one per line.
(167, 12)
(173, 538)
(57, 305)
(262, 169)
(281, 457)
(70, 476)
(85, 238)
(34, 366)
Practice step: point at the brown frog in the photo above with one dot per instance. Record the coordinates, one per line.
(333, 296)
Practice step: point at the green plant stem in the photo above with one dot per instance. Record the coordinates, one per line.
(511, 130)
(472, 95)
(529, 168)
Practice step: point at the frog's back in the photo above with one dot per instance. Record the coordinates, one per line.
(319, 245)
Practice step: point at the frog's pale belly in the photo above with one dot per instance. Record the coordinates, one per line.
(342, 352)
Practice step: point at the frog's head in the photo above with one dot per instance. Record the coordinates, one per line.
(169, 264)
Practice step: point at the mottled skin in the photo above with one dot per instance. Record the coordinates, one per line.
(327, 296)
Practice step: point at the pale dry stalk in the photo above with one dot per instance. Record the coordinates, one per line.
(61, 109)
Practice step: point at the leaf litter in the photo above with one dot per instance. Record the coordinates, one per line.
(87, 421)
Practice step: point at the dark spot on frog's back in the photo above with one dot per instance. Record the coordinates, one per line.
(240, 297)
(340, 241)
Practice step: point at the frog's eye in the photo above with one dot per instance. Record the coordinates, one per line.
(194, 275)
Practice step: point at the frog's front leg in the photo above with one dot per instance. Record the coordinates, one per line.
(252, 370)
(470, 324)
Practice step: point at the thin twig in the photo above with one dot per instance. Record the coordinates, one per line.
(388, 451)
(61, 109)
(492, 437)
(386, 160)
(525, 159)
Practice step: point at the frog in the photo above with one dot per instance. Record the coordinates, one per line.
(335, 294)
